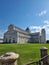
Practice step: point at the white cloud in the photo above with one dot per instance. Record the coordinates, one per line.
(35, 28)
(46, 22)
(42, 13)
(38, 28)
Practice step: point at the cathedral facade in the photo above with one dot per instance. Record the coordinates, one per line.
(17, 35)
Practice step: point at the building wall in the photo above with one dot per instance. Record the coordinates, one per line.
(17, 36)
(1, 40)
(35, 37)
(20, 36)
(10, 36)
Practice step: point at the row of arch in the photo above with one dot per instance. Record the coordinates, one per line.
(10, 41)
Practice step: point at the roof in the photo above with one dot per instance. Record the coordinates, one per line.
(17, 29)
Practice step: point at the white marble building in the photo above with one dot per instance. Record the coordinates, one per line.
(17, 35)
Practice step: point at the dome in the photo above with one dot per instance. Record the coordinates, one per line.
(27, 29)
(11, 27)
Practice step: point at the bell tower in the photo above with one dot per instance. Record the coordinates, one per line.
(43, 36)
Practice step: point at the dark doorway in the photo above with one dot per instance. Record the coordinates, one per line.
(9, 40)
(13, 41)
(6, 40)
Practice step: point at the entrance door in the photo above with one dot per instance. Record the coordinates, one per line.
(9, 40)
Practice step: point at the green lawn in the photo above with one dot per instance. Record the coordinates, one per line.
(27, 52)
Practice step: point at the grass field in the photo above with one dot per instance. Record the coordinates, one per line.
(27, 52)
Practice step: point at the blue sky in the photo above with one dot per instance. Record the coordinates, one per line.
(24, 13)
